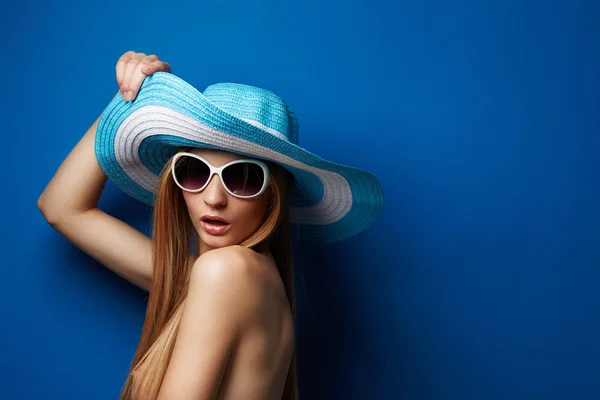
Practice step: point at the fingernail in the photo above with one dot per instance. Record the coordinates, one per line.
(128, 96)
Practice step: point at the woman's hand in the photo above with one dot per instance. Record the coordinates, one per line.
(132, 69)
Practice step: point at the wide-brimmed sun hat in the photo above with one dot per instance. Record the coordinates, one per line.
(135, 140)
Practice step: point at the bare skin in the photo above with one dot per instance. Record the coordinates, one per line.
(244, 215)
(256, 307)
(258, 365)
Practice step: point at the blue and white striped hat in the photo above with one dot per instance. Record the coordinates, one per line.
(134, 141)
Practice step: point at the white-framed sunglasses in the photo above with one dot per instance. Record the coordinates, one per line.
(244, 178)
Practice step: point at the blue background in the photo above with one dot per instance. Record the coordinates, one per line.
(480, 278)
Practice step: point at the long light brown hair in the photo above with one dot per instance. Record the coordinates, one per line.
(172, 235)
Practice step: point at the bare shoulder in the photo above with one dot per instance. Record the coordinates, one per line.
(232, 260)
(233, 267)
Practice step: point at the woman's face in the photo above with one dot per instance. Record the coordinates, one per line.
(243, 215)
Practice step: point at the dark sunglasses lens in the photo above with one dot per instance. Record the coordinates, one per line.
(244, 179)
(191, 173)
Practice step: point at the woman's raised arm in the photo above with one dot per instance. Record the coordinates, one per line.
(69, 201)
(69, 204)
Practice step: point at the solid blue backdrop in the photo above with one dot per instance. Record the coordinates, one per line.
(480, 279)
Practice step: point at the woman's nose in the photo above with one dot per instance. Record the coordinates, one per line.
(215, 194)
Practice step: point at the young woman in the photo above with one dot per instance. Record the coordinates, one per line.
(226, 178)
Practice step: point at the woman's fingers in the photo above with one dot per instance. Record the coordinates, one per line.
(132, 69)
(137, 77)
(146, 62)
(156, 66)
(121, 63)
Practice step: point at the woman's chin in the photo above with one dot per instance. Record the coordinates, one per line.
(215, 241)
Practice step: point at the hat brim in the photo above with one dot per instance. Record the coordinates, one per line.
(134, 141)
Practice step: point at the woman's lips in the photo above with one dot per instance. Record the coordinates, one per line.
(215, 229)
